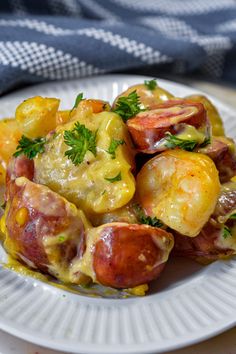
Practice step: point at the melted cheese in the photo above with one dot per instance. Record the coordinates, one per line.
(85, 184)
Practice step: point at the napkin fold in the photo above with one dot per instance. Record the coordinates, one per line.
(66, 39)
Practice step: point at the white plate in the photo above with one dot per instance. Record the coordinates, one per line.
(189, 303)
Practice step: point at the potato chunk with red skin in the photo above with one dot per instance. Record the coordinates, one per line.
(127, 255)
(177, 185)
(148, 129)
(42, 229)
(222, 152)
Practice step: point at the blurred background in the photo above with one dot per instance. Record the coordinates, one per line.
(192, 41)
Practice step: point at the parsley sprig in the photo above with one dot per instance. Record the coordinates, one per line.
(30, 147)
(173, 141)
(113, 146)
(128, 106)
(226, 232)
(145, 219)
(80, 139)
(78, 99)
(150, 84)
(117, 178)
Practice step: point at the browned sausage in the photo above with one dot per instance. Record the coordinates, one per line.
(148, 128)
(214, 241)
(43, 229)
(222, 152)
(20, 166)
(127, 255)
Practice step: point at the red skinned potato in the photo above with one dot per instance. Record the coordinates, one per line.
(222, 152)
(183, 118)
(42, 229)
(125, 255)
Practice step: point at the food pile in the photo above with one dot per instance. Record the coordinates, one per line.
(106, 194)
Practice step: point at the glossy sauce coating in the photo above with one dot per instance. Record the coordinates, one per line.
(148, 128)
(177, 185)
(127, 255)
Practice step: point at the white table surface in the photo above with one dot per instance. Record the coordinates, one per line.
(222, 344)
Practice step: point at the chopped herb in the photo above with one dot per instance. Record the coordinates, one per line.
(3, 206)
(173, 141)
(113, 146)
(103, 192)
(144, 219)
(81, 140)
(30, 147)
(206, 142)
(128, 106)
(233, 216)
(226, 232)
(151, 84)
(61, 238)
(78, 99)
(114, 179)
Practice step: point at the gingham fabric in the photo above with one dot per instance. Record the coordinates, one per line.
(63, 39)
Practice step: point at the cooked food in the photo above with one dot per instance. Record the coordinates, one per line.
(165, 125)
(217, 239)
(212, 113)
(102, 193)
(177, 185)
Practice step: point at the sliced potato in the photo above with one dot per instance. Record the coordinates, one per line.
(37, 116)
(10, 134)
(87, 184)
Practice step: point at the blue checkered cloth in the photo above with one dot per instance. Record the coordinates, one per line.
(44, 40)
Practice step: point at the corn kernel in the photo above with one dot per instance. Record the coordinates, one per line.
(22, 216)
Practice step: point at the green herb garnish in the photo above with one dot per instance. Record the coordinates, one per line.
(144, 219)
(206, 142)
(226, 232)
(151, 84)
(78, 99)
(81, 140)
(233, 216)
(30, 147)
(172, 142)
(114, 179)
(113, 146)
(61, 238)
(128, 106)
(3, 206)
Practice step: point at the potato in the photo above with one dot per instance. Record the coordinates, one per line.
(37, 116)
(212, 113)
(86, 184)
(10, 134)
(146, 96)
(125, 255)
(42, 229)
(185, 119)
(180, 188)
